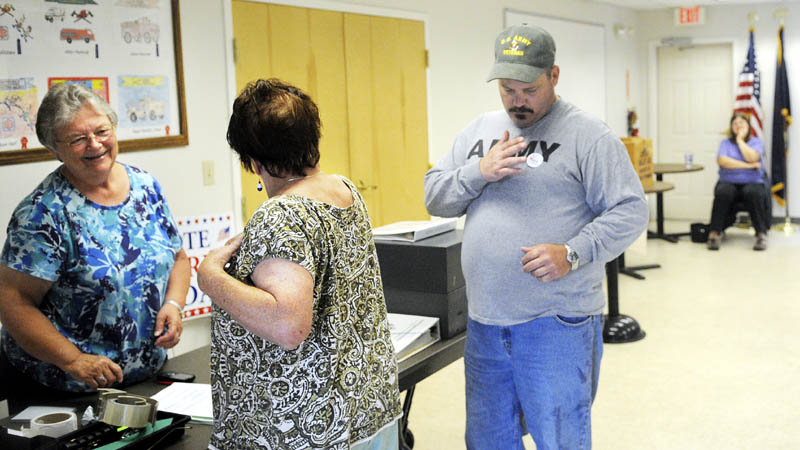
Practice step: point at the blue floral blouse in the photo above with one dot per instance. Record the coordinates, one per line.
(109, 265)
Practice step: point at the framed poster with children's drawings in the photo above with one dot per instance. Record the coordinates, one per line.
(127, 51)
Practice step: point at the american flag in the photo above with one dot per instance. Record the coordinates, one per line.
(748, 94)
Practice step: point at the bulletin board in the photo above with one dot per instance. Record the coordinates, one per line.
(580, 53)
(128, 51)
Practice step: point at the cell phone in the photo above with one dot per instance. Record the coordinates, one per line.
(172, 377)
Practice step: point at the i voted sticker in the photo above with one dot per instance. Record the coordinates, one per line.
(535, 160)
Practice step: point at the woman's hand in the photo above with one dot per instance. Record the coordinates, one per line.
(171, 313)
(741, 134)
(96, 371)
(278, 306)
(726, 162)
(214, 263)
(168, 316)
(21, 296)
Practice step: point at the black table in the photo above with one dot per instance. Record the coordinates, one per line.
(411, 371)
(618, 328)
(195, 437)
(659, 188)
(633, 271)
(419, 366)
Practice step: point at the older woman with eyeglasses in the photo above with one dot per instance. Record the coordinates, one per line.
(93, 276)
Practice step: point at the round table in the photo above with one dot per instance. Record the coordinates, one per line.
(662, 168)
(659, 187)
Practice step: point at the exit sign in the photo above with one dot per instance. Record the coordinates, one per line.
(695, 15)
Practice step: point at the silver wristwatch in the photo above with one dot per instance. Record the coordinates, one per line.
(572, 257)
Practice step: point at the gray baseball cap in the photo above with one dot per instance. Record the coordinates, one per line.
(522, 53)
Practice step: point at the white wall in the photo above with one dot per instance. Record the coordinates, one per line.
(460, 40)
(731, 23)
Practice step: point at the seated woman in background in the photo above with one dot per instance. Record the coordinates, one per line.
(93, 269)
(740, 179)
(301, 355)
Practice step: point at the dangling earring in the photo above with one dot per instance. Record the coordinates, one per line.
(259, 187)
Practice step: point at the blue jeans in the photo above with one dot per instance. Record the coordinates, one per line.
(546, 370)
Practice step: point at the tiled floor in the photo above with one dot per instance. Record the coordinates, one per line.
(719, 368)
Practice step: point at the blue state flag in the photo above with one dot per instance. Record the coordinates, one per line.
(781, 119)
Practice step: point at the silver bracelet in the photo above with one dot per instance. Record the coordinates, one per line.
(175, 304)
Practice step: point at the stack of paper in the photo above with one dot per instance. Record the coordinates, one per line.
(415, 230)
(189, 399)
(411, 334)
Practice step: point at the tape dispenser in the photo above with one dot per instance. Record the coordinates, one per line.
(118, 408)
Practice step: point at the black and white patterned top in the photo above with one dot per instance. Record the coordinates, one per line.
(340, 385)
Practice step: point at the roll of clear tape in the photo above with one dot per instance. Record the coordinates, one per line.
(52, 424)
(129, 411)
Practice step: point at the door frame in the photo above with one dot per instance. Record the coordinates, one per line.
(652, 75)
(328, 5)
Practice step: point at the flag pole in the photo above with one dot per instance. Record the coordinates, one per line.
(786, 226)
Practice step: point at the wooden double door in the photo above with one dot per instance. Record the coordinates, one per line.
(367, 75)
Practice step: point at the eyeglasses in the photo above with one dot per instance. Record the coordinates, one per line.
(101, 135)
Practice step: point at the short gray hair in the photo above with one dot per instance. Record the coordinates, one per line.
(60, 105)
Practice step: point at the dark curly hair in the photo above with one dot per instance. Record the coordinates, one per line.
(277, 125)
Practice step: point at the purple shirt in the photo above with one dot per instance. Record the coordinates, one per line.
(740, 176)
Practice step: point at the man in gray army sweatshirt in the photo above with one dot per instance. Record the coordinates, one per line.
(550, 196)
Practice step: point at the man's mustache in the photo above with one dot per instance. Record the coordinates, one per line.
(520, 109)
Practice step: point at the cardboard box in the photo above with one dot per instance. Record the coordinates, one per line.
(640, 151)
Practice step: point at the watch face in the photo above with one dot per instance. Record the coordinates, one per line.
(572, 255)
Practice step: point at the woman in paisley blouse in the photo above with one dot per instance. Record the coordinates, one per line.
(301, 355)
(93, 276)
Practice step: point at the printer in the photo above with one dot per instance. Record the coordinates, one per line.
(424, 278)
